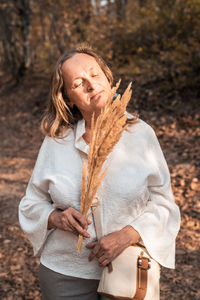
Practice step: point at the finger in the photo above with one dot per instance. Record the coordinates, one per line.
(69, 224)
(72, 229)
(104, 263)
(100, 253)
(77, 215)
(101, 256)
(91, 245)
(77, 226)
(89, 221)
(94, 252)
(65, 224)
(80, 218)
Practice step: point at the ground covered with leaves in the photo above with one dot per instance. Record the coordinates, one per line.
(176, 120)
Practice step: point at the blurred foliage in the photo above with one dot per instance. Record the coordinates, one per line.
(153, 40)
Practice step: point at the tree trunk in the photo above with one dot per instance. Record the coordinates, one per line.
(25, 15)
(121, 9)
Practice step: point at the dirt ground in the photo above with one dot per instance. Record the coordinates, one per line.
(177, 126)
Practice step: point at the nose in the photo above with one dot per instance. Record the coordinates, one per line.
(90, 86)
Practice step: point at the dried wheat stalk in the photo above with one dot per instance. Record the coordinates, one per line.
(106, 132)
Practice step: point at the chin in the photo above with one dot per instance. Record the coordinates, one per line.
(103, 101)
(102, 105)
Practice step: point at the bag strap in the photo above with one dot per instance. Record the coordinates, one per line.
(97, 223)
(141, 284)
(97, 217)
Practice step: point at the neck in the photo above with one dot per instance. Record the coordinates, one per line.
(88, 120)
(88, 123)
(87, 134)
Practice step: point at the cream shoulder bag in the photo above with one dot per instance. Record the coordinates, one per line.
(131, 275)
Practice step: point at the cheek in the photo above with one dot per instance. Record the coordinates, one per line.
(75, 97)
(108, 88)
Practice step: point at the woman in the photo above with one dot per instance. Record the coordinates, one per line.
(136, 202)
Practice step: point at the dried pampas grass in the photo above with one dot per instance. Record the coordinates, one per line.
(106, 132)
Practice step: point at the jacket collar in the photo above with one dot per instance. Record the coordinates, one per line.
(80, 143)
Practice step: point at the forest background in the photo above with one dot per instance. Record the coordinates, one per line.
(153, 43)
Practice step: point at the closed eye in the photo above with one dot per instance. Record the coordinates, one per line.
(77, 84)
(94, 75)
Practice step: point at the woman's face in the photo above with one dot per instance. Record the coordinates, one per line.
(86, 84)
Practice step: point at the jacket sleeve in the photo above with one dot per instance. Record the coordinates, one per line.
(36, 206)
(159, 224)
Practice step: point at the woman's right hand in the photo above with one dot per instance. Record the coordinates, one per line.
(69, 220)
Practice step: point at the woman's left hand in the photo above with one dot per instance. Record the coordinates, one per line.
(111, 245)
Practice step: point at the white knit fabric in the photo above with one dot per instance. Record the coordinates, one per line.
(136, 191)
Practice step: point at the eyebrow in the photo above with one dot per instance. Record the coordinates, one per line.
(91, 68)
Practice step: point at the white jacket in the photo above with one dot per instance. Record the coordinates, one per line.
(136, 191)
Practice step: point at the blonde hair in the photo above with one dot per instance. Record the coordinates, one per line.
(58, 115)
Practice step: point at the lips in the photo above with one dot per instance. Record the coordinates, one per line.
(96, 95)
